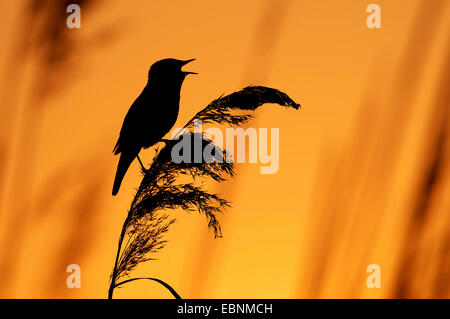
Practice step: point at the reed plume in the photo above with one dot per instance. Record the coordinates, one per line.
(164, 184)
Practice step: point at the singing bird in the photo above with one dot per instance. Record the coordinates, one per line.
(152, 114)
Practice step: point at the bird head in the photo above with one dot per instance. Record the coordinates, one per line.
(168, 70)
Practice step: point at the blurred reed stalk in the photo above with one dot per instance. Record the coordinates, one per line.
(44, 42)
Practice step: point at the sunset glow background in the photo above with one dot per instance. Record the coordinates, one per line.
(364, 172)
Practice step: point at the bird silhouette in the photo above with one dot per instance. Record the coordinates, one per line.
(152, 114)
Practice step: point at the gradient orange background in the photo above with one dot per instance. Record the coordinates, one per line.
(364, 167)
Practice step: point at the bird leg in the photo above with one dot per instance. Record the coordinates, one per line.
(142, 165)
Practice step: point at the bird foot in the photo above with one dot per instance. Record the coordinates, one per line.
(144, 170)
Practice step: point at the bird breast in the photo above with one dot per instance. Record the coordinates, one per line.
(162, 113)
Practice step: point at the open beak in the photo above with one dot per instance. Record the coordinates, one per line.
(186, 62)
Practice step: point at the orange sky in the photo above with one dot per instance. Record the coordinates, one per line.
(353, 162)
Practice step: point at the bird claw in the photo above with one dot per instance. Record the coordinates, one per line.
(144, 170)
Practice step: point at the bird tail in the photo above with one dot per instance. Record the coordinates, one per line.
(126, 158)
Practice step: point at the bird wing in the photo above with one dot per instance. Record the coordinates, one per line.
(131, 128)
